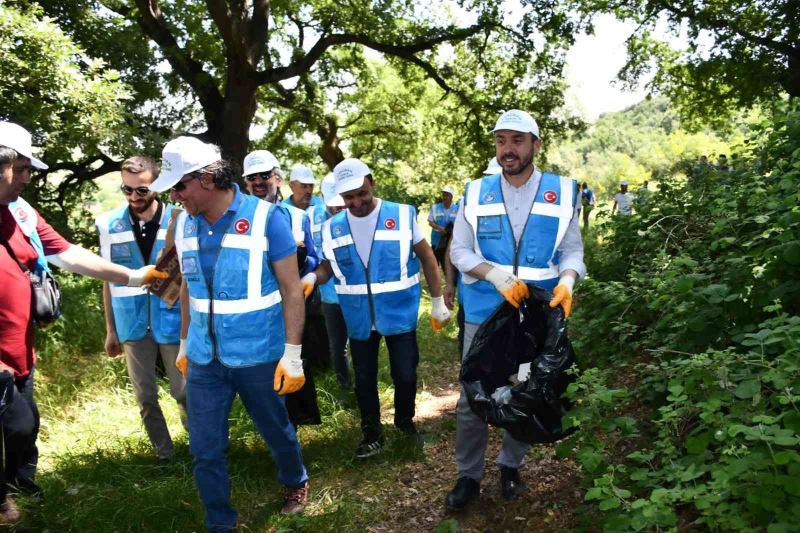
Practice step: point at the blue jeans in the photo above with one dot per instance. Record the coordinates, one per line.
(210, 390)
(403, 359)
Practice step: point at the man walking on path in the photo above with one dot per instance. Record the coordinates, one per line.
(440, 219)
(138, 323)
(513, 229)
(242, 321)
(622, 200)
(373, 250)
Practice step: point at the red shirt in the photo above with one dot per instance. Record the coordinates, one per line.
(16, 328)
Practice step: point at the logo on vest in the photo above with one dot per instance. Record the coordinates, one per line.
(22, 215)
(550, 197)
(489, 197)
(389, 223)
(191, 229)
(241, 226)
(119, 225)
(337, 231)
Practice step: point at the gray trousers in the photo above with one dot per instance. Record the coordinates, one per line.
(472, 434)
(141, 358)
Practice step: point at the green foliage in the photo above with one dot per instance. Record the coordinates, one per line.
(691, 317)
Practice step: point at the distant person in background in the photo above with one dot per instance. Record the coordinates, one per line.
(722, 163)
(138, 323)
(587, 203)
(301, 182)
(643, 196)
(27, 242)
(441, 219)
(622, 200)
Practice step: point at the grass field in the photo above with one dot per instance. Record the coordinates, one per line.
(98, 470)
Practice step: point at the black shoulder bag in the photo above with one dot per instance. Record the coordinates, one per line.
(46, 292)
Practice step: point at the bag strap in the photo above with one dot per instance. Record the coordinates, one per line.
(5, 243)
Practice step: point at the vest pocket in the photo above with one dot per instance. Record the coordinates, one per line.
(170, 317)
(121, 253)
(343, 255)
(490, 227)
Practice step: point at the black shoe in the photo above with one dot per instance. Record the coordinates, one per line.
(466, 490)
(29, 488)
(369, 448)
(510, 484)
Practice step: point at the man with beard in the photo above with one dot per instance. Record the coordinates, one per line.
(138, 323)
(514, 228)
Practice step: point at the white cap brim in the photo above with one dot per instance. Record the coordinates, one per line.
(307, 181)
(258, 169)
(349, 184)
(166, 181)
(336, 201)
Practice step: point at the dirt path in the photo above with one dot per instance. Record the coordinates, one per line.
(415, 501)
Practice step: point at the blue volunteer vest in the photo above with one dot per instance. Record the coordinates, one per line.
(385, 293)
(239, 318)
(536, 259)
(134, 308)
(318, 215)
(442, 217)
(315, 200)
(27, 219)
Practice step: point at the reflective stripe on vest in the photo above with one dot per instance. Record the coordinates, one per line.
(386, 292)
(297, 216)
(535, 258)
(237, 317)
(135, 310)
(317, 215)
(27, 220)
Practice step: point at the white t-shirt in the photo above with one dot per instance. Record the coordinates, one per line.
(623, 203)
(363, 231)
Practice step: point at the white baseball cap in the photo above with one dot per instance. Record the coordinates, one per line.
(516, 120)
(182, 156)
(493, 167)
(18, 139)
(329, 195)
(449, 189)
(349, 175)
(259, 161)
(302, 174)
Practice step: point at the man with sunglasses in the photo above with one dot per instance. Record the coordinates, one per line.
(242, 321)
(138, 323)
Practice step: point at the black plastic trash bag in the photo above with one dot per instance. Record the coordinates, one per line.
(530, 410)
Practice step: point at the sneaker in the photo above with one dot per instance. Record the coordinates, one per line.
(369, 448)
(9, 512)
(294, 501)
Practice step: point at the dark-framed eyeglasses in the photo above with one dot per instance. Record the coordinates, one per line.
(263, 175)
(181, 185)
(140, 191)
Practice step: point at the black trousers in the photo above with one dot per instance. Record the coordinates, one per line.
(20, 428)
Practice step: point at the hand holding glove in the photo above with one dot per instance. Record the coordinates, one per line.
(145, 276)
(440, 315)
(562, 294)
(308, 281)
(514, 290)
(289, 373)
(182, 362)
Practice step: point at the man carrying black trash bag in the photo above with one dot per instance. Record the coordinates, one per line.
(515, 228)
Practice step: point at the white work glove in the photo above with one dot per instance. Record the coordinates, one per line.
(440, 315)
(182, 362)
(289, 373)
(514, 290)
(308, 281)
(562, 294)
(145, 276)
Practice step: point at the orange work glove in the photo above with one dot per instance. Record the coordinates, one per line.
(145, 276)
(289, 372)
(562, 295)
(308, 281)
(182, 362)
(440, 315)
(514, 290)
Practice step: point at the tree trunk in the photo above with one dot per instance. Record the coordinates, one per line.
(791, 79)
(229, 127)
(329, 150)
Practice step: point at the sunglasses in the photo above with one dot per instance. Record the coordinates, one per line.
(262, 175)
(181, 185)
(140, 191)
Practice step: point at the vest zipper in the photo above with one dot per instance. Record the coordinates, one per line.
(527, 219)
(214, 351)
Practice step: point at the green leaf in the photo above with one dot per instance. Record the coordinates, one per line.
(595, 493)
(747, 389)
(609, 503)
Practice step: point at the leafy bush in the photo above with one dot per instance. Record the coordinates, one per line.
(692, 415)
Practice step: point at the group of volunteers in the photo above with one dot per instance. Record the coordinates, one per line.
(252, 263)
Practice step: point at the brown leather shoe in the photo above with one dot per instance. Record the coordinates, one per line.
(295, 500)
(9, 512)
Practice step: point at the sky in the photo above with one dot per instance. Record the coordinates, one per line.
(592, 65)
